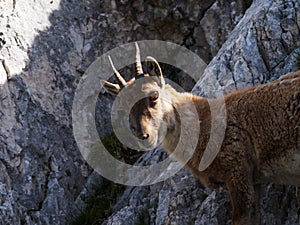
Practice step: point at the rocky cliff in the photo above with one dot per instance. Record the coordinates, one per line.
(45, 48)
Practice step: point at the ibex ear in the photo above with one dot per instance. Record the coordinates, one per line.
(153, 69)
(111, 88)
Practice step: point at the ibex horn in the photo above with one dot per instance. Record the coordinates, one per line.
(138, 64)
(118, 75)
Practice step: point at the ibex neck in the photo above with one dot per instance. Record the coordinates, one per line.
(188, 111)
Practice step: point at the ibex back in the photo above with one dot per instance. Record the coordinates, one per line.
(261, 142)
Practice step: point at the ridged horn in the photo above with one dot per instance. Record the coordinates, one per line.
(118, 75)
(138, 64)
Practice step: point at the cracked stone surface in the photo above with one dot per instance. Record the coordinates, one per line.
(46, 46)
(261, 48)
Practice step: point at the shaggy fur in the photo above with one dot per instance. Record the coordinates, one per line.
(261, 143)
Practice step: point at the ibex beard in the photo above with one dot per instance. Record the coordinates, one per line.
(261, 142)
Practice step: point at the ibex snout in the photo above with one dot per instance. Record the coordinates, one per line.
(143, 136)
(140, 130)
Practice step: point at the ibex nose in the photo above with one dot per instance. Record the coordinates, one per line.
(143, 136)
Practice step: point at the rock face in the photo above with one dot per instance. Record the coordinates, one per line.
(46, 46)
(264, 46)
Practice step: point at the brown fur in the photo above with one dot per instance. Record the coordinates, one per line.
(261, 143)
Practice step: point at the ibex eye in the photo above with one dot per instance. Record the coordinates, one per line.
(154, 96)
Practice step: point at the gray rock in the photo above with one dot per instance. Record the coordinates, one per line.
(220, 18)
(249, 56)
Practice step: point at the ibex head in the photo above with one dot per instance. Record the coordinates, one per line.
(153, 114)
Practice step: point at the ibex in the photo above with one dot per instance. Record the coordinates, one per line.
(262, 137)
